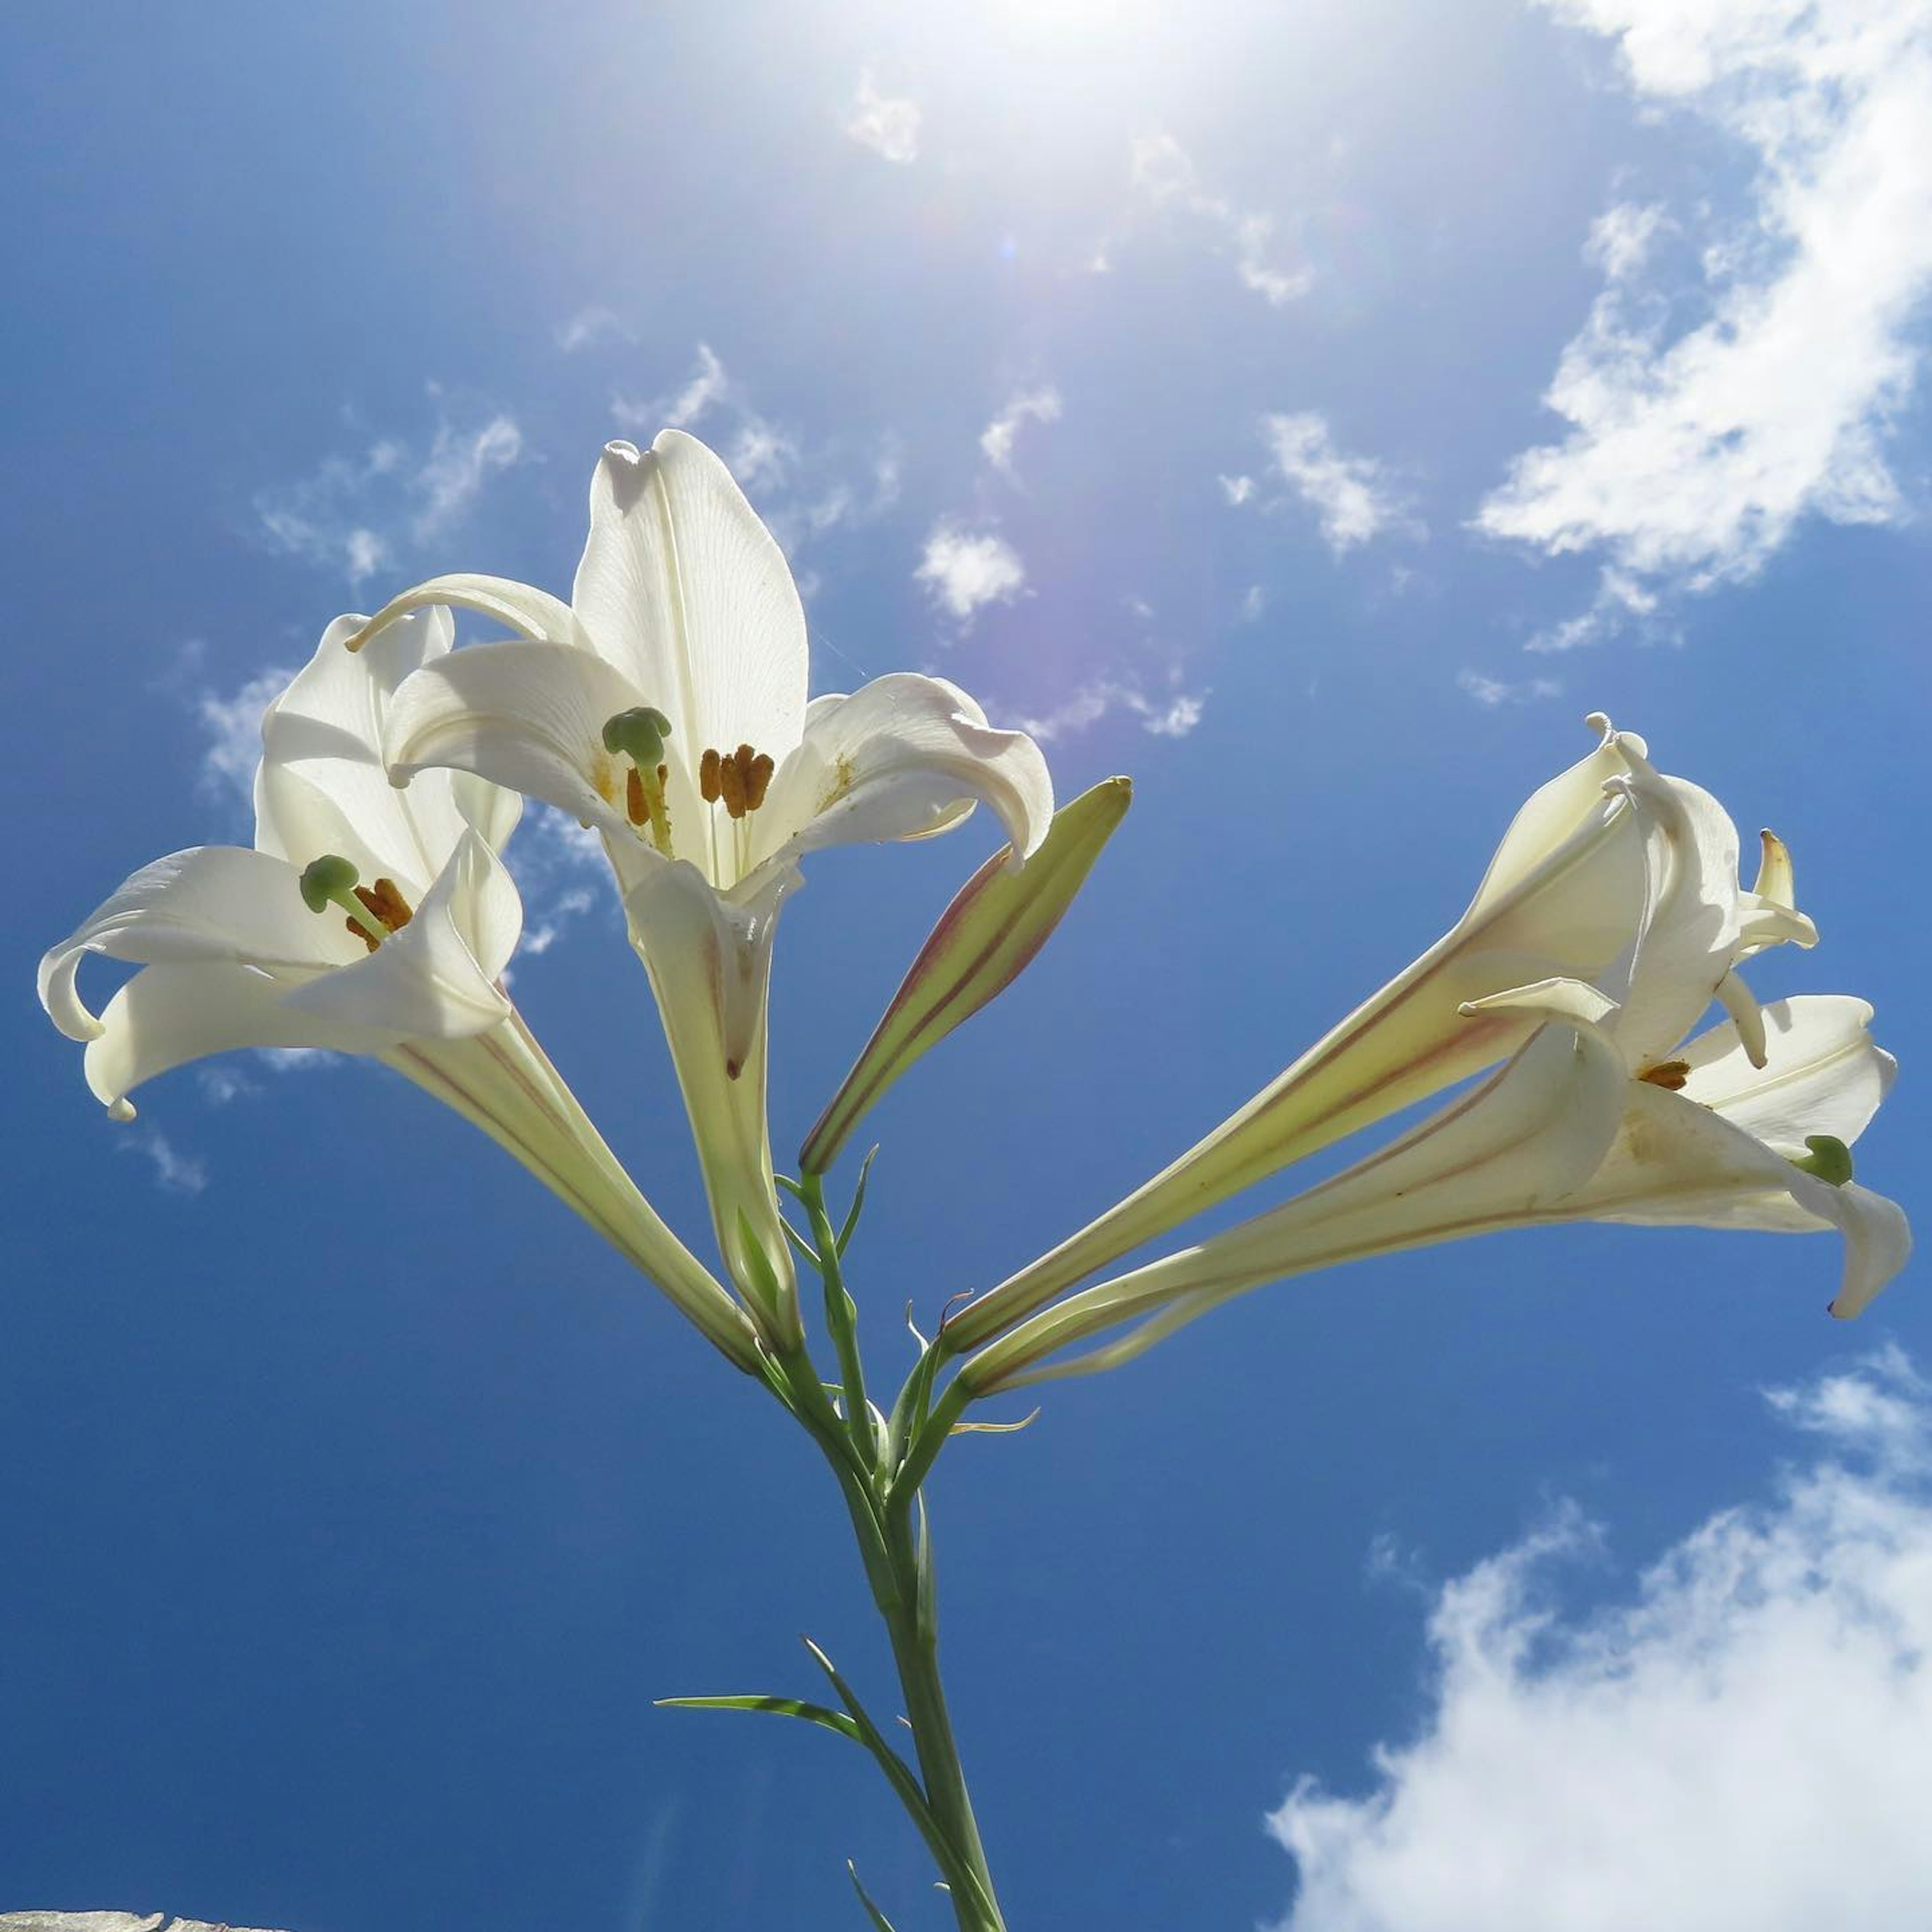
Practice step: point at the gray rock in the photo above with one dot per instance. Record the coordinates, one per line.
(108, 1921)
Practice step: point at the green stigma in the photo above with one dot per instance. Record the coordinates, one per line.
(327, 881)
(1830, 1160)
(640, 732)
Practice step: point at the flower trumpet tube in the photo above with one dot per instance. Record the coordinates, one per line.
(1746, 1127)
(665, 705)
(984, 940)
(1613, 873)
(364, 922)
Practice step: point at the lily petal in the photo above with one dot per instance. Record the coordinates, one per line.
(530, 612)
(1526, 1139)
(1696, 917)
(426, 982)
(1822, 1072)
(527, 716)
(502, 1081)
(904, 757)
(1677, 1163)
(321, 786)
(169, 1015)
(710, 959)
(210, 902)
(686, 592)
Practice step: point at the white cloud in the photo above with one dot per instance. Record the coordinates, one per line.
(962, 571)
(175, 1172)
(1620, 597)
(458, 464)
(1743, 1743)
(232, 726)
(1041, 405)
(353, 514)
(561, 871)
(1237, 489)
(887, 124)
(1253, 603)
(1621, 238)
(590, 327)
(1164, 173)
(704, 390)
(1173, 716)
(296, 1059)
(1352, 496)
(1693, 451)
(1489, 692)
(803, 491)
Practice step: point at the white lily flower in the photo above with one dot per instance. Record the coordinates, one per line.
(1613, 873)
(366, 921)
(666, 706)
(1566, 1131)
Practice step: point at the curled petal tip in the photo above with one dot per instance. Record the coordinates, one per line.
(1599, 721)
(121, 1109)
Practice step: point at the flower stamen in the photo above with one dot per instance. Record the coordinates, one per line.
(639, 733)
(374, 912)
(1670, 1075)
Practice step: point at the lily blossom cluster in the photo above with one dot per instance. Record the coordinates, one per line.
(665, 705)
(364, 920)
(1611, 917)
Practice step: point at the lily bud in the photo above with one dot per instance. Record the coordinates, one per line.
(984, 940)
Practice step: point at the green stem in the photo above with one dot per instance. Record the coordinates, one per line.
(915, 1639)
(898, 1557)
(842, 1317)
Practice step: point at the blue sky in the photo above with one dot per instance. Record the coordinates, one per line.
(1313, 412)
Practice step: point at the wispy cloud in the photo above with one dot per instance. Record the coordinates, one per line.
(887, 124)
(355, 515)
(704, 390)
(1164, 172)
(1041, 405)
(1236, 490)
(232, 731)
(459, 464)
(174, 1172)
(962, 571)
(1490, 692)
(591, 327)
(1170, 716)
(1353, 497)
(1742, 1744)
(562, 873)
(1693, 451)
(803, 491)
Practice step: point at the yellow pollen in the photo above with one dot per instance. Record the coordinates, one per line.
(758, 781)
(731, 785)
(844, 776)
(740, 778)
(385, 904)
(1670, 1075)
(636, 808)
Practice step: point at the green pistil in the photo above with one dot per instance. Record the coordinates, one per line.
(640, 733)
(1830, 1160)
(332, 880)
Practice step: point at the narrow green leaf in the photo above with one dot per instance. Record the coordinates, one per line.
(881, 1923)
(780, 1707)
(851, 1226)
